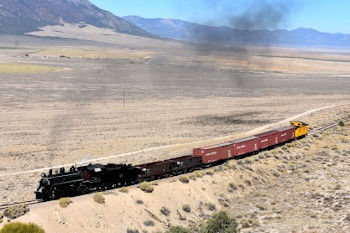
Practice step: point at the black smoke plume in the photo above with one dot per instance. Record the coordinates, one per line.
(252, 26)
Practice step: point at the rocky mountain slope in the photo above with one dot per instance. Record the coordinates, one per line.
(182, 30)
(21, 16)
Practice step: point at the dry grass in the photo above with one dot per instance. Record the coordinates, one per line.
(184, 179)
(94, 53)
(64, 202)
(99, 198)
(146, 187)
(124, 190)
(16, 211)
(278, 62)
(18, 227)
(7, 68)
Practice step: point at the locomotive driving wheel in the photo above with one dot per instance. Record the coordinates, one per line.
(83, 189)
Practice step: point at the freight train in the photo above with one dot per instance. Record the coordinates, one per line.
(97, 177)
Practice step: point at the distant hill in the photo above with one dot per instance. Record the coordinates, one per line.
(21, 16)
(187, 31)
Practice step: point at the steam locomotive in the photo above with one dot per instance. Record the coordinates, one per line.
(85, 179)
(98, 177)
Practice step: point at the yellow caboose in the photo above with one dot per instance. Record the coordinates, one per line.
(301, 128)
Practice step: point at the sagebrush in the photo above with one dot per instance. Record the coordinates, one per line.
(17, 227)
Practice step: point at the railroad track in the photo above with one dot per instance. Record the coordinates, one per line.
(329, 126)
(28, 203)
(312, 132)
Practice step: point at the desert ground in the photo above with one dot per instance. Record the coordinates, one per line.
(69, 101)
(300, 187)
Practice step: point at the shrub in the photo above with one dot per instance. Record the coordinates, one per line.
(248, 182)
(165, 211)
(139, 202)
(341, 123)
(210, 206)
(247, 161)
(16, 211)
(64, 202)
(232, 186)
(123, 190)
(184, 179)
(99, 198)
(146, 187)
(148, 223)
(210, 172)
(220, 222)
(177, 229)
(18, 227)
(186, 208)
(1, 217)
(132, 231)
(245, 223)
(197, 174)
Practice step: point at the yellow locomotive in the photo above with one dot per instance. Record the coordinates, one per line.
(301, 130)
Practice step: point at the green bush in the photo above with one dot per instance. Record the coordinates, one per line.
(177, 229)
(18, 227)
(1, 217)
(65, 202)
(146, 187)
(197, 173)
(123, 190)
(341, 123)
(184, 179)
(99, 198)
(220, 222)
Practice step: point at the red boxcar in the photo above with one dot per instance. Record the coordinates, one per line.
(286, 134)
(215, 152)
(267, 139)
(245, 145)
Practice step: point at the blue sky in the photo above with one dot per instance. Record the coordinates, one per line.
(323, 15)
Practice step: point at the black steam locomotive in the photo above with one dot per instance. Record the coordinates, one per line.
(86, 179)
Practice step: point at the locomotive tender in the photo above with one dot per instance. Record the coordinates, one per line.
(97, 177)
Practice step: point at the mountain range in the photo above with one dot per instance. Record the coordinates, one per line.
(187, 31)
(22, 16)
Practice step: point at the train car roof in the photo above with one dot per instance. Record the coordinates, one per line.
(216, 145)
(285, 128)
(243, 139)
(266, 133)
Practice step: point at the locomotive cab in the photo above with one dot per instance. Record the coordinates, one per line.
(301, 130)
